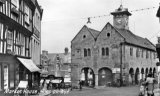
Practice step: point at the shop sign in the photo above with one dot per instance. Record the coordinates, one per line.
(115, 70)
(23, 84)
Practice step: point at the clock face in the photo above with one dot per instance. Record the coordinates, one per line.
(118, 21)
(121, 22)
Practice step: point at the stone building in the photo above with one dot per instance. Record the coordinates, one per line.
(59, 63)
(44, 63)
(16, 30)
(111, 55)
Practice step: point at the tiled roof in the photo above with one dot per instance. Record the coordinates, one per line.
(129, 37)
(136, 40)
(94, 32)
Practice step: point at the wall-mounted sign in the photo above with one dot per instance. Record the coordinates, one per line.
(23, 84)
(115, 70)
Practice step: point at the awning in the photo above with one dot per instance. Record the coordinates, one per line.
(28, 63)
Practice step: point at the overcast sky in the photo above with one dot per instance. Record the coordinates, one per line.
(62, 19)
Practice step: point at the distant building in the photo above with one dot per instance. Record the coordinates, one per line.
(57, 64)
(16, 30)
(60, 63)
(44, 62)
(111, 55)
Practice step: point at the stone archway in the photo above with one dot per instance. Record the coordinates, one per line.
(142, 74)
(154, 72)
(104, 76)
(137, 76)
(131, 75)
(150, 71)
(87, 77)
(146, 72)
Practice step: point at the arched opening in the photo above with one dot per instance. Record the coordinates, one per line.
(150, 71)
(137, 76)
(131, 75)
(154, 72)
(104, 76)
(142, 74)
(146, 72)
(87, 77)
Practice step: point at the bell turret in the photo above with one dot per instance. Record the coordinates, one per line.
(121, 18)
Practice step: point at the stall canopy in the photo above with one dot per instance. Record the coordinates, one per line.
(28, 63)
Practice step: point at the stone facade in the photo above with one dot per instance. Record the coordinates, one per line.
(57, 64)
(112, 55)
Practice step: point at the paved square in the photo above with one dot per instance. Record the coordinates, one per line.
(104, 91)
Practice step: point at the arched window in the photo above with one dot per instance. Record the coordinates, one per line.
(103, 51)
(131, 51)
(85, 52)
(107, 51)
(137, 52)
(147, 54)
(89, 52)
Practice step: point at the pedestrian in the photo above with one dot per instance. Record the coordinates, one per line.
(150, 85)
(50, 85)
(44, 84)
(80, 85)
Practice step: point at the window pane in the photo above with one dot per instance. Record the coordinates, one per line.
(131, 51)
(9, 41)
(103, 51)
(146, 54)
(107, 51)
(89, 52)
(142, 53)
(85, 52)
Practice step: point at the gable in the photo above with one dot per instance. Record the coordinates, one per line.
(109, 33)
(83, 35)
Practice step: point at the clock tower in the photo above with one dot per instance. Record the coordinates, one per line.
(121, 18)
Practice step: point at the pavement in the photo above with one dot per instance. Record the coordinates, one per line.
(103, 91)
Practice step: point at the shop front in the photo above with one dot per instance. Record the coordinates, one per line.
(29, 72)
(15, 69)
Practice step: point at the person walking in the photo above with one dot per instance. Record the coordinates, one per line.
(44, 85)
(80, 85)
(150, 85)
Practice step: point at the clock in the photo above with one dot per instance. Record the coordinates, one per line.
(118, 21)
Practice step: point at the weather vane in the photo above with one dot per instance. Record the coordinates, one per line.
(89, 20)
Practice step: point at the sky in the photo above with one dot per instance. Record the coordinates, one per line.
(63, 19)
